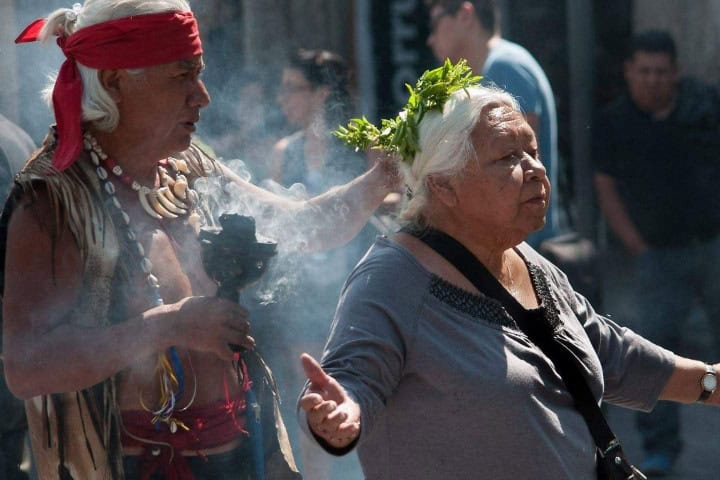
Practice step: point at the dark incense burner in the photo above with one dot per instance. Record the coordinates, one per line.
(232, 255)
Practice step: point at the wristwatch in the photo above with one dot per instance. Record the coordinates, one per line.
(708, 383)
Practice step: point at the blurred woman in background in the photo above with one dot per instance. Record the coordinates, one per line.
(315, 98)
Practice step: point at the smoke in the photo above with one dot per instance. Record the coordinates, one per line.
(241, 126)
(292, 305)
(243, 120)
(293, 232)
(33, 65)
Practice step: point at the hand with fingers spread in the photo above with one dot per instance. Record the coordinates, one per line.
(331, 413)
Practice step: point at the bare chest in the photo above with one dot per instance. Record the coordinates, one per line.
(175, 259)
(174, 252)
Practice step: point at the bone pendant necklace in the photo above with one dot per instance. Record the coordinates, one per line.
(172, 199)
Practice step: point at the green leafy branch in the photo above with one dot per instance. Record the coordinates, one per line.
(399, 135)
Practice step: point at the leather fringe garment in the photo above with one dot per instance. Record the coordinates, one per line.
(76, 435)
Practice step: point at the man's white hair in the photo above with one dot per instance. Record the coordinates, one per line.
(97, 105)
(445, 144)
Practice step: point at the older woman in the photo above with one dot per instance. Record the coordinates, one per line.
(432, 378)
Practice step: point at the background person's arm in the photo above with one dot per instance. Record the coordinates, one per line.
(616, 214)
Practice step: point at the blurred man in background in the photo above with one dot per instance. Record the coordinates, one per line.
(656, 151)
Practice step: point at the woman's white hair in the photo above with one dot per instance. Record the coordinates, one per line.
(97, 105)
(445, 144)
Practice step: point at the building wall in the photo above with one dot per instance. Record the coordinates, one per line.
(695, 25)
(25, 68)
(260, 34)
(237, 34)
(8, 62)
(272, 28)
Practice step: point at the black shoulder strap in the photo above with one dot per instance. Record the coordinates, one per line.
(533, 323)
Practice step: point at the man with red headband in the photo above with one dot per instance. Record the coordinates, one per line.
(112, 329)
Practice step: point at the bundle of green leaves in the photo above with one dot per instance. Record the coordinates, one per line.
(399, 135)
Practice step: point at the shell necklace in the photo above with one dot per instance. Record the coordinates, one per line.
(169, 367)
(174, 198)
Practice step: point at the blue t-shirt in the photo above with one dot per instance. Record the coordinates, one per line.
(512, 68)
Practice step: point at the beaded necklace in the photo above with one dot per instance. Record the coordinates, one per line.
(172, 199)
(169, 367)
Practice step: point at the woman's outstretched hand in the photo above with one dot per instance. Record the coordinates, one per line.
(331, 413)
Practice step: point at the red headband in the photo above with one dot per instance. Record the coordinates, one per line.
(131, 42)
